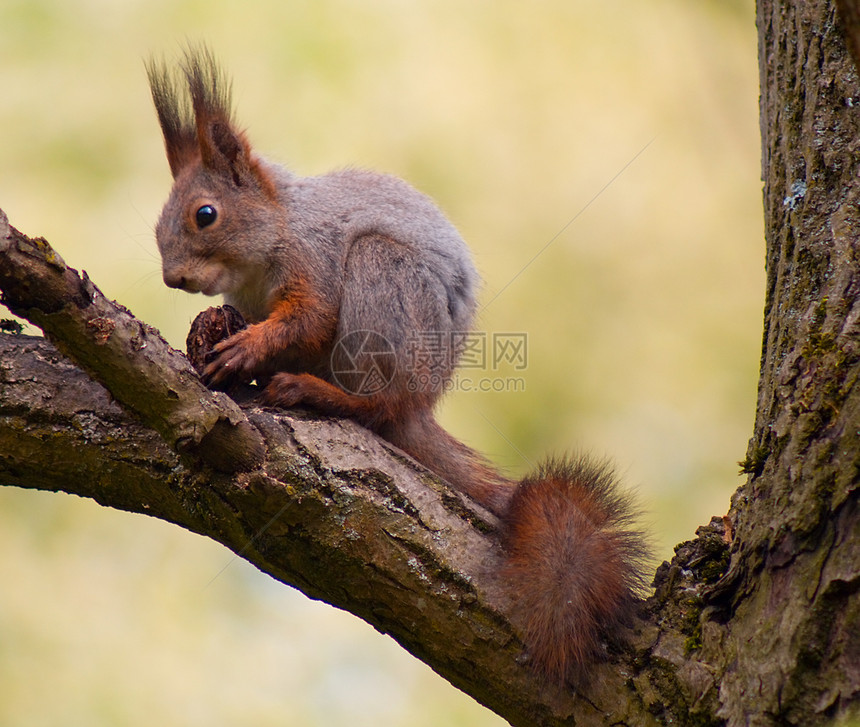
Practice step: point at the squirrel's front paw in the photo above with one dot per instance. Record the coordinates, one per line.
(236, 358)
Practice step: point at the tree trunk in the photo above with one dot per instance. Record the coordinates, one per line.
(793, 630)
(755, 622)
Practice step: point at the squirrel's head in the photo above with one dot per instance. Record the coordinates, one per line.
(221, 190)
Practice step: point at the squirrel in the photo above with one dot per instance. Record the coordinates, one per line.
(349, 272)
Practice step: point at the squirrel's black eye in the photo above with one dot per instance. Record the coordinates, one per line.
(205, 216)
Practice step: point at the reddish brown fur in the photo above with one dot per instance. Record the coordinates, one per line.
(573, 561)
(306, 315)
(291, 389)
(299, 320)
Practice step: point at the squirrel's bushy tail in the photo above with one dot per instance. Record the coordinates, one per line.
(573, 561)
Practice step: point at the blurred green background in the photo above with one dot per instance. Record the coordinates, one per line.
(643, 316)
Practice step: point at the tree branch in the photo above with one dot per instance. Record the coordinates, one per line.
(130, 358)
(321, 504)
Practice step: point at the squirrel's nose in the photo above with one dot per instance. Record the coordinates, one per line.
(174, 280)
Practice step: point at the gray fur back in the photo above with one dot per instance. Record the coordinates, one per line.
(329, 213)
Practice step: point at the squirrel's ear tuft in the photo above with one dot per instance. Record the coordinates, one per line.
(174, 115)
(210, 100)
(223, 148)
(194, 110)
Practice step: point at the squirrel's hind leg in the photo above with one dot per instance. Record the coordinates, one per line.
(288, 390)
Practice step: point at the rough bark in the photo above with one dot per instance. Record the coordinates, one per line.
(790, 596)
(755, 622)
